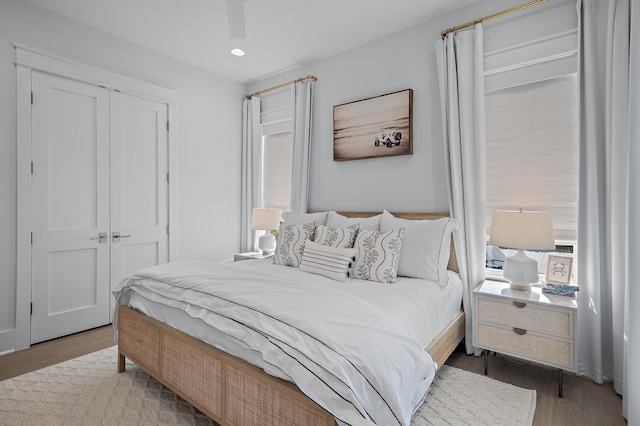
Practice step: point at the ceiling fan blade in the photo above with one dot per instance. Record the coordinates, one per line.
(235, 16)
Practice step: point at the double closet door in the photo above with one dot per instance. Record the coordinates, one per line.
(100, 199)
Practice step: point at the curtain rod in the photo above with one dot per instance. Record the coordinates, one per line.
(492, 16)
(312, 77)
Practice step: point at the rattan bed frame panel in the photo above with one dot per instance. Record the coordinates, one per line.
(228, 389)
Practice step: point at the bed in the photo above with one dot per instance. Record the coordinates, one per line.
(238, 387)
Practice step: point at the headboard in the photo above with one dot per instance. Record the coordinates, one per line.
(453, 261)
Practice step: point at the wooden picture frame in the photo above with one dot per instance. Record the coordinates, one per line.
(380, 126)
(559, 269)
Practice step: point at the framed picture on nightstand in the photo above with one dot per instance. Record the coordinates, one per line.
(559, 269)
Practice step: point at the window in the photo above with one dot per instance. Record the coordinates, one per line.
(277, 164)
(532, 152)
(276, 117)
(532, 158)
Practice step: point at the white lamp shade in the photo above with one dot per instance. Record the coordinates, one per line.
(266, 219)
(522, 230)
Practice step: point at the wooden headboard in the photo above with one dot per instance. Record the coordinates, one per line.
(453, 261)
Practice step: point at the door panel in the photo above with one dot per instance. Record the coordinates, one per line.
(139, 187)
(140, 152)
(83, 263)
(72, 160)
(70, 151)
(138, 256)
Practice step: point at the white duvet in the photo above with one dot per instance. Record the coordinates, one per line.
(344, 352)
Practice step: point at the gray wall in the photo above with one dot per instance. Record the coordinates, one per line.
(208, 177)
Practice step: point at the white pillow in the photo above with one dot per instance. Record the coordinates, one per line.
(378, 255)
(301, 218)
(332, 262)
(290, 243)
(336, 220)
(426, 246)
(340, 237)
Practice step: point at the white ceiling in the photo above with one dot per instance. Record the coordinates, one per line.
(280, 34)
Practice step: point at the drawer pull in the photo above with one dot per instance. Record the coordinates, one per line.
(520, 304)
(519, 331)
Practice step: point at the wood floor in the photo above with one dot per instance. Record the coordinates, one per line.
(54, 351)
(584, 402)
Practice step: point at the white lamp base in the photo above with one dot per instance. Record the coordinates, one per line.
(267, 243)
(521, 271)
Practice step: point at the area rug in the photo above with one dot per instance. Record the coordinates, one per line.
(88, 391)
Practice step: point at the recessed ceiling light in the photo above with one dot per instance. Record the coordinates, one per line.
(237, 52)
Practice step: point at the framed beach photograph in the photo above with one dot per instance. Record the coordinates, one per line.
(381, 126)
(559, 269)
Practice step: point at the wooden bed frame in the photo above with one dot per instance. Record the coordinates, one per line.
(228, 389)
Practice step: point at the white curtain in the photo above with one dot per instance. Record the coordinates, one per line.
(251, 165)
(608, 231)
(302, 106)
(632, 320)
(461, 76)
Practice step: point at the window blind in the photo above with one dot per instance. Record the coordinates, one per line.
(532, 151)
(277, 164)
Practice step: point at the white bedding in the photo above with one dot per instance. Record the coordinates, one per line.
(357, 386)
(422, 308)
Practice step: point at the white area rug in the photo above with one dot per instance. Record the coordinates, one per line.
(88, 391)
(458, 397)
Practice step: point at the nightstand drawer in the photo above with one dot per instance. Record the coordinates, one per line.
(528, 316)
(526, 344)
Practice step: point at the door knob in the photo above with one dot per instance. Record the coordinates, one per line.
(116, 237)
(102, 237)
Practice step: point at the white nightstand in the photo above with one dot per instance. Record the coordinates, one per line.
(250, 255)
(530, 325)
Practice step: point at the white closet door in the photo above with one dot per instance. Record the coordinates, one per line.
(70, 152)
(139, 185)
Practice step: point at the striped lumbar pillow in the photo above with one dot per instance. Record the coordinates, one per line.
(332, 262)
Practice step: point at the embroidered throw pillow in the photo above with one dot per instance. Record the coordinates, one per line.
(336, 237)
(332, 262)
(426, 246)
(378, 255)
(290, 244)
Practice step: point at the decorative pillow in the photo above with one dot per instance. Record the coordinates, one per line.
(426, 246)
(332, 262)
(341, 237)
(301, 218)
(290, 244)
(378, 255)
(336, 220)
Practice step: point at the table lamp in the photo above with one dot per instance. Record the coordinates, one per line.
(266, 220)
(522, 230)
